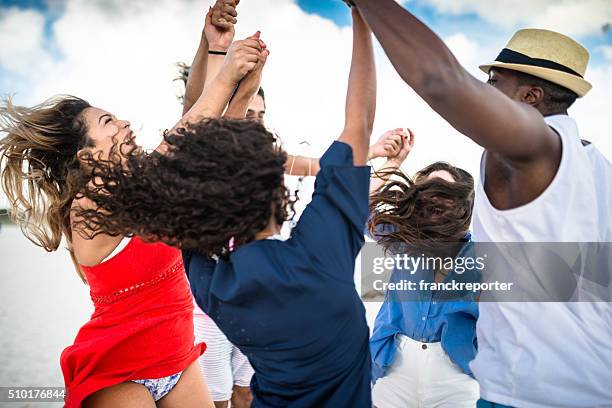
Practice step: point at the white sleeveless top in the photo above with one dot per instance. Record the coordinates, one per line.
(549, 354)
(122, 244)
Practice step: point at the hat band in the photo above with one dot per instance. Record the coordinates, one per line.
(512, 57)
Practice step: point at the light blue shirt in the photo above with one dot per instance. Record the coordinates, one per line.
(428, 317)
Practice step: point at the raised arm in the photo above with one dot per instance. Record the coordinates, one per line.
(248, 87)
(241, 59)
(361, 94)
(220, 34)
(196, 74)
(389, 145)
(360, 103)
(481, 112)
(216, 38)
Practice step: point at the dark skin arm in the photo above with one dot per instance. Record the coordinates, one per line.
(513, 132)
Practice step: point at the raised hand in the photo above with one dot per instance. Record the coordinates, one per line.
(224, 13)
(391, 143)
(242, 57)
(248, 87)
(407, 145)
(219, 27)
(395, 145)
(250, 83)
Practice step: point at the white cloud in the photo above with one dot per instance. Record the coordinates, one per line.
(571, 17)
(120, 56)
(593, 111)
(606, 50)
(21, 36)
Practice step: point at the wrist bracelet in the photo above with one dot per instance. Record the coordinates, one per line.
(217, 52)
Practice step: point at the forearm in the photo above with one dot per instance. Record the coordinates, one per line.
(238, 107)
(210, 104)
(361, 95)
(426, 64)
(197, 74)
(302, 166)
(215, 62)
(213, 100)
(382, 175)
(419, 56)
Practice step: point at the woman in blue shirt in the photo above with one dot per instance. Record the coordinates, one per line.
(290, 306)
(422, 340)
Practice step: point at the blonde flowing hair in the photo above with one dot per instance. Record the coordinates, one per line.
(41, 174)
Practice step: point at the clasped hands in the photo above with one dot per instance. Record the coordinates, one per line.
(243, 65)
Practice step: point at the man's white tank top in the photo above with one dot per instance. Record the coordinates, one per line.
(549, 354)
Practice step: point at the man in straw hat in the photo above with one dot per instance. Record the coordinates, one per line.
(539, 183)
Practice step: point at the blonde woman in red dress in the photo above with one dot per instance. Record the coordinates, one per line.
(138, 348)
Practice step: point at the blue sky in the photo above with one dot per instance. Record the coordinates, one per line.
(445, 24)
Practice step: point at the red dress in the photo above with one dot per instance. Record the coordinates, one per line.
(142, 326)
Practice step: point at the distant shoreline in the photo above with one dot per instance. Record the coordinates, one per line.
(4, 216)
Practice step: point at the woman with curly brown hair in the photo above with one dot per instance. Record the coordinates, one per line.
(138, 348)
(290, 306)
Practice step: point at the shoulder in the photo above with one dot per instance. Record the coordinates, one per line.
(90, 250)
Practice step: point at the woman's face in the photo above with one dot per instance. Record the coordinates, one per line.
(257, 109)
(105, 130)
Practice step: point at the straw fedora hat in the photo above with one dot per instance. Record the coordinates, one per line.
(547, 55)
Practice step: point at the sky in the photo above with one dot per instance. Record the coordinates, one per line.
(122, 56)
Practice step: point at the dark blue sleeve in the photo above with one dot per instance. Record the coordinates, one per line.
(331, 227)
(199, 269)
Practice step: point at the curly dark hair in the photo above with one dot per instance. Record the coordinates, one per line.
(421, 212)
(220, 180)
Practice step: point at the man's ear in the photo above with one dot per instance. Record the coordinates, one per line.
(533, 95)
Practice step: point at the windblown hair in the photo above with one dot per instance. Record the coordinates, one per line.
(220, 180)
(183, 75)
(40, 170)
(424, 213)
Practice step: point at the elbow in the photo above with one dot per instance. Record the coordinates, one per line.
(369, 120)
(435, 88)
(367, 126)
(437, 85)
(363, 124)
(362, 128)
